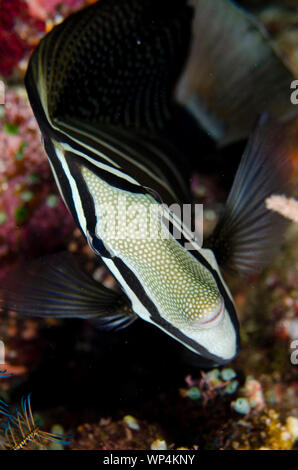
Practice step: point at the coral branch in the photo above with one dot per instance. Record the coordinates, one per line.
(288, 207)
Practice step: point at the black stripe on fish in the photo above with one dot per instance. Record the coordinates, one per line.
(114, 175)
(85, 196)
(73, 75)
(61, 160)
(145, 157)
(74, 165)
(61, 179)
(56, 286)
(99, 81)
(135, 285)
(107, 175)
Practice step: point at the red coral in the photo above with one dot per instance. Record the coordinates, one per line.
(12, 49)
(10, 10)
(12, 46)
(21, 25)
(32, 223)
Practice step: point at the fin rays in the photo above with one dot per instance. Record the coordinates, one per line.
(56, 286)
(244, 238)
(21, 430)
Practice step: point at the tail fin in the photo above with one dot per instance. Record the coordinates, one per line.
(233, 73)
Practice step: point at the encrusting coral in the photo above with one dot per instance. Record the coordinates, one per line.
(33, 218)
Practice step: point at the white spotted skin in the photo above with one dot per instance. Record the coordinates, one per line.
(183, 290)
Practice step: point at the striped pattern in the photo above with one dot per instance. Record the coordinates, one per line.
(22, 432)
(67, 163)
(105, 132)
(121, 97)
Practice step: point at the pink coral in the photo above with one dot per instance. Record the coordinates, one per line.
(33, 218)
(10, 10)
(12, 49)
(23, 22)
(42, 9)
(13, 46)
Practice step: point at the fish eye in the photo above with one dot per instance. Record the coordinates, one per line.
(211, 317)
(205, 309)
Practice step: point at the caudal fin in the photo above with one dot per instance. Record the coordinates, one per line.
(233, 73)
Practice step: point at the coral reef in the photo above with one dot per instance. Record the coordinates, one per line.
(33, 218)
(263, 431)
(117, 435)
(13, 44)
(22, 24)
(252, 422)
(268, 312)
(210, 385)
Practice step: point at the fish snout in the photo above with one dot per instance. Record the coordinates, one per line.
(211, 317)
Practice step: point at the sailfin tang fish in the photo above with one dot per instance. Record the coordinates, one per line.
(234, 72)
(101, 86)
(55, 286)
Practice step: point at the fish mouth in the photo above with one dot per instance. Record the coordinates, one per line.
(214, 320)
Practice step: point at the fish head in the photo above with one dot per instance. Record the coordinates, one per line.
(198, 310)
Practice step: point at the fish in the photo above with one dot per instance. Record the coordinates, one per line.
(21, 431)
(102, 88)
(234, 71)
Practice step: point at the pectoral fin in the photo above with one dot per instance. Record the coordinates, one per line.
(56, 286)
(248, 233)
